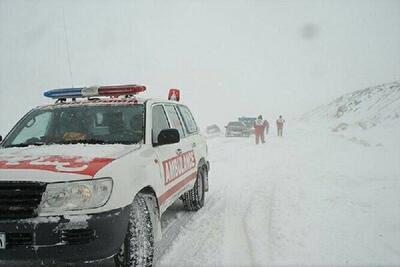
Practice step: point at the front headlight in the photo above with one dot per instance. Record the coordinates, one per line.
(80, 195)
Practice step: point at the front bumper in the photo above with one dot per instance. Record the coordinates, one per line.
(64, 238)
(238, 133)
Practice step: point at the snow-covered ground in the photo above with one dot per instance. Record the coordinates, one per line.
(309, 198)
(326, 194)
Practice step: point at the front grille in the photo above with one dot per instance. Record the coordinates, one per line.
(19, 239)
(20, 200)
(77, 236)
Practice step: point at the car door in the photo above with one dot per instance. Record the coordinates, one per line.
(193, 137)
(187, 154)
(175, 164)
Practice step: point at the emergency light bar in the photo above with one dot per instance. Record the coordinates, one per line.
(116, 90)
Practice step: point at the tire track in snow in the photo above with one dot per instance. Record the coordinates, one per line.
(238, 249)
(237, 246)
(270, 220)
(190, 237)
(180, 237)
(260, 237)
(170, 234)
(248, 238)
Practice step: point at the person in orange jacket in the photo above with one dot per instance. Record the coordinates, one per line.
(279, 125)
(259, 127)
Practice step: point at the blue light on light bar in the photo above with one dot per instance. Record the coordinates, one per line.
(64, 93)
(113, 90)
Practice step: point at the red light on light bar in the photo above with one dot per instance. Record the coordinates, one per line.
(118, 90)
(174, 94)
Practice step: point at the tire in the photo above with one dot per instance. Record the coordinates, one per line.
(193, 200)
(138, 247)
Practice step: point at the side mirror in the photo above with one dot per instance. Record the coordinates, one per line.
(168, 136)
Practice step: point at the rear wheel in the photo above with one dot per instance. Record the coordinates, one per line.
(138, 247)
(193, 200)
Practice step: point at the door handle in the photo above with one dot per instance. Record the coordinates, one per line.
(179, 151)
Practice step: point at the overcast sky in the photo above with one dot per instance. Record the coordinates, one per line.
(229, 58)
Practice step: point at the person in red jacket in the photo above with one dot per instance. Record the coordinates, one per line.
(259, 127)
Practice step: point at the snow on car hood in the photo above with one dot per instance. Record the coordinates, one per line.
(79, 159)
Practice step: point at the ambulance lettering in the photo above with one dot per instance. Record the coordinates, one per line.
(177, 166)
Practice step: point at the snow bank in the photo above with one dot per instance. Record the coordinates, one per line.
(363, 108)
(369, 117)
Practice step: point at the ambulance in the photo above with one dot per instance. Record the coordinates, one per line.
(88, 177)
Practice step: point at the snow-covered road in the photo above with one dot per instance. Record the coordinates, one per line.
(309, 198)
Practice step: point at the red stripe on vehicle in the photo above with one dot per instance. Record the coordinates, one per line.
(176, 188)
(60, 164)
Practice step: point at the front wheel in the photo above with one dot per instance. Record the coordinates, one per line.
(193, 200)
(138, 247)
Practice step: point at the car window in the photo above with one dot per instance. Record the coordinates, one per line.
(188, 119)
(174, 119)
(35, 127)
(159, 122)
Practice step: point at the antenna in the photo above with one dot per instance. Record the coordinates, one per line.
(68, 54)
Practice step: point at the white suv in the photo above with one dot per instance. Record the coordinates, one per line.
(88, 179)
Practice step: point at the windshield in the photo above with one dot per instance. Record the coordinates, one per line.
(248, 121)
(93, 124)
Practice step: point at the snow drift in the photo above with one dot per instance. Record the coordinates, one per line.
(372, 114)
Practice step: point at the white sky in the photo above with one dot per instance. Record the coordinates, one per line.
(229, 58)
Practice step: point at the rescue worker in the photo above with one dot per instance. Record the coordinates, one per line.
(279, 125)
(259, 127)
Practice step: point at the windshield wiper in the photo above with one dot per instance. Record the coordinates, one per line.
(104, 142)
(26, 144)
(86, 141)
(93, 141)
(74, 142)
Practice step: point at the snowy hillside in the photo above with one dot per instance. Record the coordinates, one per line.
(365, 108)
(372, 113)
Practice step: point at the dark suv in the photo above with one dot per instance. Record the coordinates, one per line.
(249, 122)
(236, 128)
